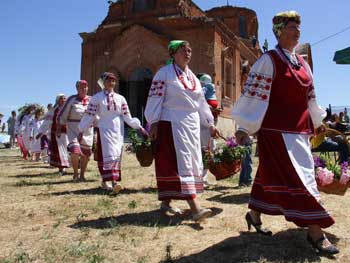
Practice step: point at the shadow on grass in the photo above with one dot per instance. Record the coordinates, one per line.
(149, 219)
(23, 183)
(231, 199)
(40, 175)
(37, 167)
(11, 161)
(285, 246)
(100, 191)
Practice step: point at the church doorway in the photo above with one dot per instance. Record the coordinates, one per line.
(136, 93)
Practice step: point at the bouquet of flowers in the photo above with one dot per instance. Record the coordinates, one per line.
(331, 178)
(142, 146)
(225, 160)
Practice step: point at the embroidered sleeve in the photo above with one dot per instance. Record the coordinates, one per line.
(249, 110)
(156, 97)
(90, 114)
(317, 114)
(132, 122)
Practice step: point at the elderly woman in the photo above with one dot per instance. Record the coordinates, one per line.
(71, 114)
(111, 110)
(278, 103)
(58, 146)
(175, 108)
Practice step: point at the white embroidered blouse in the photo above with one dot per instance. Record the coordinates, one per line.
(171, 99)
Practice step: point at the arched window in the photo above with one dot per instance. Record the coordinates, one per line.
(242, 27)
(143, 5)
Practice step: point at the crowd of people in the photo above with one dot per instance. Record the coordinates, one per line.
(277, 105)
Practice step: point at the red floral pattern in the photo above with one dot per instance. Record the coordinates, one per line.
(157, 89)
(258, 86)
(125, 109)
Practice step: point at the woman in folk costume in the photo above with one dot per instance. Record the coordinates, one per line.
(19, 136)
(175, 108)
(58, 145)
(111, 110)
(70, 115)
(278, 103)
(25, 121)
(35, 125)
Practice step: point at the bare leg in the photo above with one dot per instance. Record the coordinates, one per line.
(194, 206)
(84, 160)
(75, 164)
(256, 216)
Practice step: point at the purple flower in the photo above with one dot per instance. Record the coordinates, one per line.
(319, 162)
(344, 167)
(231, 142)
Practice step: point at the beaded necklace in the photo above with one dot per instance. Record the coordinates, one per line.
(181, 78)
(295, 66)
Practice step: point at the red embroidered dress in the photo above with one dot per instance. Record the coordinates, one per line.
(111, 110)
(176, 102)
(58, 145)
(278, 103)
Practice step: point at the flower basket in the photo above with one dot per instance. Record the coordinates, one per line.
(224, 170)
(331, 178)
(334, 188)
(142, 147)
(225, 160)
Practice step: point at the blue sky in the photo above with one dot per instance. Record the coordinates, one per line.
(40, 49)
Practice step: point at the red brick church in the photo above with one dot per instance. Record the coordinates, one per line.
(132, 42)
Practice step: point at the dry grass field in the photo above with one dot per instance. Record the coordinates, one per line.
(48, 218)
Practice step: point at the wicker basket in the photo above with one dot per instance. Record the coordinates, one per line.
(144, 155)
(335, 188)
(224, 170)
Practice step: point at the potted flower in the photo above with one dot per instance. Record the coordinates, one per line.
(142, 146)
(331, 178)
(225, 160)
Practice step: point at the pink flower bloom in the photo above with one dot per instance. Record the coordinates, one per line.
(325, 176)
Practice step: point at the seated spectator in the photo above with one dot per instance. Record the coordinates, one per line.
(331, 141)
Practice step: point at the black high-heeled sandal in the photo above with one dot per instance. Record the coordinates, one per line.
(257, 226)
(330, 250)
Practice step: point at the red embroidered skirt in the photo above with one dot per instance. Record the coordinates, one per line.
(107, 175)
(277, 188)
(168, 179)
(55, 159)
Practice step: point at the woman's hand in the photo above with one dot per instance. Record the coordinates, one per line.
(154, 131)
(214, 132)
(144, 132)
(242, 137)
